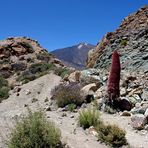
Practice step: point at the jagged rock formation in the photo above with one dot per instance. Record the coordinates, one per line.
(74, 56)
(22, 58)
(130, 39)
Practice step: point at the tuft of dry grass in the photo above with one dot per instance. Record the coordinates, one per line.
(89, 117)
(111, 135)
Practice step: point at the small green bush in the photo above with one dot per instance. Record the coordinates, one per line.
(68, 94)
(111, 135)
(62, 72)
(71, 107)
(3, 82)
(40, 67)
(4, 93)
(123, 42)
(4, 89)
(26, 77)
(4, 61)
(34, 131)
(89, 117)
(27, 46)
(35, 71)
(45, 56)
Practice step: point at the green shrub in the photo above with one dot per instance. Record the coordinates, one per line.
(4, 89)
(4, 93)
(111, 135)
(26, 77)
(34, 131)
(68, 94)
(35, 71)
(45, 56)
(4, 61)
(123, 42)
(40, 67)
(27, 46)
(89, 117)
(3, 82)
(62, 72)
(71, 107)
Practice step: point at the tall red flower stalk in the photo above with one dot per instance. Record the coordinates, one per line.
(114, 78)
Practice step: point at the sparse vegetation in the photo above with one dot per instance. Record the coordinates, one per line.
(123, 42)
(89, 117)
(40, 67)
(4, 89)
(35, 71)
(3, 82)
(34, 131)
(72, 107)
(44, 56)
(62, 72)
(68, 94)
(111, 135)
(5, 61)
(27, 46)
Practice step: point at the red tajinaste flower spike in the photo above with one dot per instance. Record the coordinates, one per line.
(114, 77)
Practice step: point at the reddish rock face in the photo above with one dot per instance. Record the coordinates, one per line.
(114, 77)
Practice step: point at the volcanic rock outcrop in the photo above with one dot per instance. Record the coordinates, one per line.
(131, 38)
(23, 59)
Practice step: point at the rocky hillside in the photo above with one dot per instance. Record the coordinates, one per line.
(130, 39)
(23, 59)
(74, 56)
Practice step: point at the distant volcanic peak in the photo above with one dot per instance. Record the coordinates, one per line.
(74, 56)
(83, 43)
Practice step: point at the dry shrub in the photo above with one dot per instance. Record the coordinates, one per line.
(111, 135)
(68, 94)
(34, 131)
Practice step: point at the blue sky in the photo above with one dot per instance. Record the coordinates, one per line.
(61, 23)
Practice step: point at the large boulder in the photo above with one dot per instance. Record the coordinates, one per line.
(88, 91)
(74, 77)
(144, 95)
(146, 113)
(138, 121)
(90, 76)
(124, 104)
